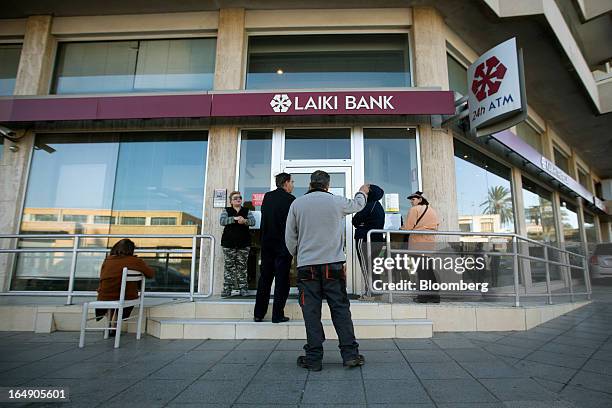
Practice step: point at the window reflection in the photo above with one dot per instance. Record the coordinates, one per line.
(122, 183)
(539, 214)
(571, 228)
(254, 178)
(328, 61)
(457, 76)
(317, 144)
(135, 66)
(484, 193)
(390, 161)
(589, 228)
(531, 136)
(9, 57)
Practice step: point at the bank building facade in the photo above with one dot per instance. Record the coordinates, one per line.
(125, 123)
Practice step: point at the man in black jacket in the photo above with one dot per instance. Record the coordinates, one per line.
(275, 258)
(371, 217)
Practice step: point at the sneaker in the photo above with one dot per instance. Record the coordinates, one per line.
(257, 319)
(281, 320)
(301, 362)
(355, 362)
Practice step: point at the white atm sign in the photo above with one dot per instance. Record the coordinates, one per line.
(495, 89)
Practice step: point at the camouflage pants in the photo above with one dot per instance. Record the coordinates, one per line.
(235, 274)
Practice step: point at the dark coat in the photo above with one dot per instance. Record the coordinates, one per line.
(371, 217)
(236, 235)
(111, 272)
(274, 211)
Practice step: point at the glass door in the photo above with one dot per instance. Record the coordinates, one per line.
(340, 184)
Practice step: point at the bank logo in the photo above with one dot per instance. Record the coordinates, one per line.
(488, 80)
(280, 103)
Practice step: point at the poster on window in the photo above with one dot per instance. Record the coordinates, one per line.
(220, 198)
(257, 216)
(392, 202)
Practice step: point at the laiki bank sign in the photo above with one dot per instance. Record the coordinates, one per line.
(496, 95)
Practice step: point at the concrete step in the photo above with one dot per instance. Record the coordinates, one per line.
(243, 309)
(294, 329)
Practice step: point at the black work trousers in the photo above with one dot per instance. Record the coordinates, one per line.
(275, 266)
(329, 281)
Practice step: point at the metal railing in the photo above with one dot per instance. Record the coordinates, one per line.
(516, 255)
(77, 249)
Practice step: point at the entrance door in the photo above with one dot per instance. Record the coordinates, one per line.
(340, 184)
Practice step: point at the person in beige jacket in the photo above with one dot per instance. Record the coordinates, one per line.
(422, 217)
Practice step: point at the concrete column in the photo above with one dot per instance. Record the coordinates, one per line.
(437, 152)
(598, 231)
(223, 140)
(36, 62)
(231, 49)
(13, 170)
(547, 144)
(521, 223)
(33, 77)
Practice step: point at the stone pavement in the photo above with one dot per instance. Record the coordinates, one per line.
(566, 362)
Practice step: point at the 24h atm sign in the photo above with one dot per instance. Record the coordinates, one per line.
(496, 96)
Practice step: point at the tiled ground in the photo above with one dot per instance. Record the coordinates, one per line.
(566, 362)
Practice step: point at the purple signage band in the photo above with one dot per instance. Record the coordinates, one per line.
(29, 109)
(334, 103)
(518, 145)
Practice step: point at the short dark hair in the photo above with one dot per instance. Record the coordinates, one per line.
(281, 179)
(123, 247)
(319, 179)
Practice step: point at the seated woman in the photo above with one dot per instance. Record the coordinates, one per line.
(121, 256)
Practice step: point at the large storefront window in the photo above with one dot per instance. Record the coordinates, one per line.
(589, 228)
(135, 66)
(254, 178)
(328, 61)
(484, 192)
(533, 138)
(571, 227)
(390, 161)
(120, 183)
(539, 214)
(9, 62)
(317, 144)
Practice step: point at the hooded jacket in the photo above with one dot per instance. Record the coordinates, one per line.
(371, 217)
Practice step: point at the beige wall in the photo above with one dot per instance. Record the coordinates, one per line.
(437, 152)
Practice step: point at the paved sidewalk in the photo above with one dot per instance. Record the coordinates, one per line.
(566, 362)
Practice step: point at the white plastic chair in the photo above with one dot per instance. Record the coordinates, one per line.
(119, 305)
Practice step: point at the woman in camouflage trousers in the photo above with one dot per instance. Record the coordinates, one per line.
(236, 243)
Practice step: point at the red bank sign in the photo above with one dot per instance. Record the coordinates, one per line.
(333, 103)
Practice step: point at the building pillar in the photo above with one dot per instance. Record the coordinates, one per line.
(33, 77)
(520, 224)
(437, 151)
(37, 54)
(223, 140)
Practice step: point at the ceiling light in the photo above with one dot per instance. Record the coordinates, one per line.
(280, 71)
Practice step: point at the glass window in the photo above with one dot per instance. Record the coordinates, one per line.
(328, 61)
(254, 178)
(317, 144)
(9, 62)
(75, 218)
(390, 161)
(133, 220)
(457, 76)
(103, 219)
(561, 160)
(539, 214)
(584, 179)
(163, 221)
(589, 228)
(126, 177)
(135, 66)
(571, 228)
(529, 135)
(483, 190)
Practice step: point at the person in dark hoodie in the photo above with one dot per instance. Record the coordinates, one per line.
(371, 217)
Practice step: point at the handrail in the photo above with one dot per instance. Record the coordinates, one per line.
(76, 249)
(513, 239)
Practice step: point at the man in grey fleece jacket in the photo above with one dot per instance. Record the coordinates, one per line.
(314, 236)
